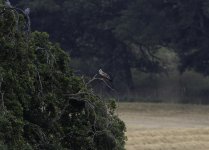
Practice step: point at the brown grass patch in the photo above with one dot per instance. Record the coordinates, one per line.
(165, 126)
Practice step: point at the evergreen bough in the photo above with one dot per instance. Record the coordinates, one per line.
(43, 105)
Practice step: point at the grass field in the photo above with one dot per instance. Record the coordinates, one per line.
(165, 126)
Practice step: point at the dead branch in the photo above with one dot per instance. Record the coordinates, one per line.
(100, 79)
(2, 94)
(39, 79)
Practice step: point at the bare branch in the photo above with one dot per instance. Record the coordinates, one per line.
(101, 79)
(93, 79)
(2, 94)
(39, 79)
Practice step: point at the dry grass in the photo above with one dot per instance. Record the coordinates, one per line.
(165, 126)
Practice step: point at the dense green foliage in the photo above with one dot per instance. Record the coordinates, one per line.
(43, 105)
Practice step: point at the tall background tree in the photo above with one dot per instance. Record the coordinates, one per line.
(87, 29)
(181, 25)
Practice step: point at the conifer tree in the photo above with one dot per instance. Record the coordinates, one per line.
(43, 105)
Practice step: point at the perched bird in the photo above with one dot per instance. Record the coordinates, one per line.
(27, 11)
(104, 75)
(8, 4)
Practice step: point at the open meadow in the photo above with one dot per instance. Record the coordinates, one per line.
(165, 126)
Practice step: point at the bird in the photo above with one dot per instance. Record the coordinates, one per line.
(27, 11)
(104, 75)
(8, 4)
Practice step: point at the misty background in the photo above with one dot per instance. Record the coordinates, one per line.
(155, 51)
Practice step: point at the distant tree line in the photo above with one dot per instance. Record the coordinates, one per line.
(90, 30)
(119, 35)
